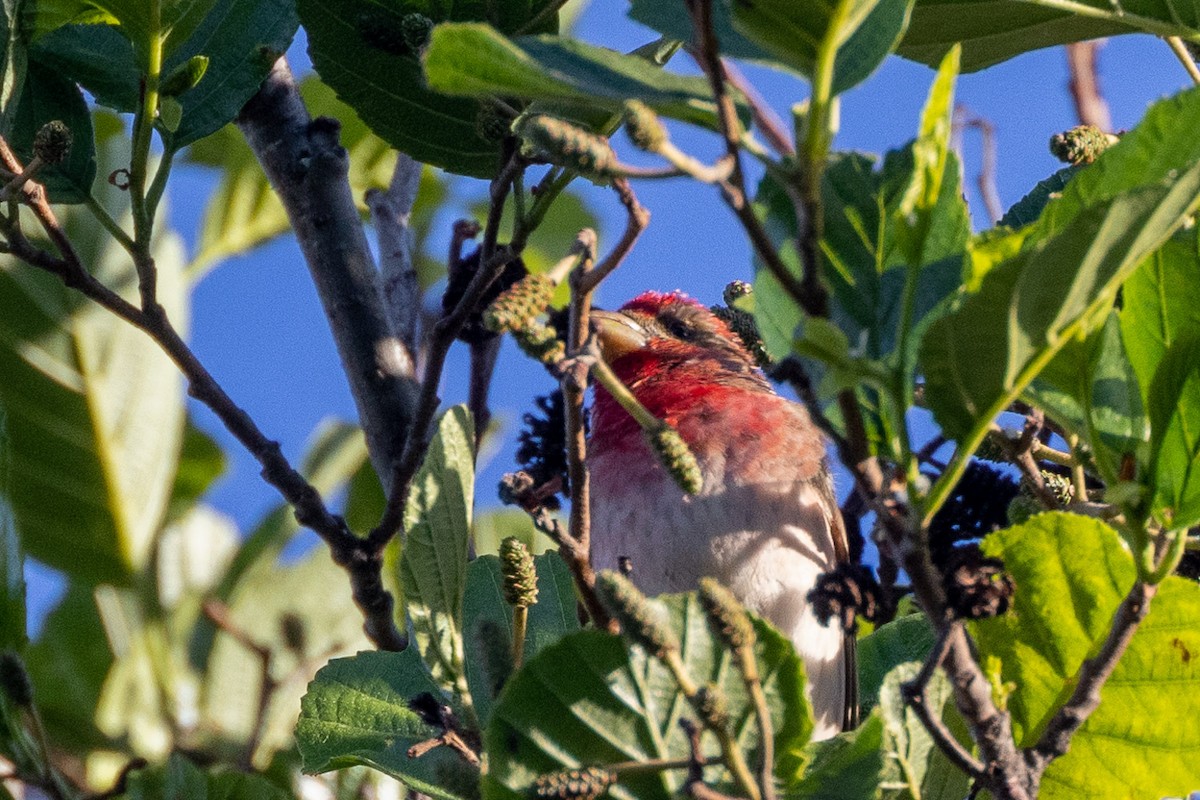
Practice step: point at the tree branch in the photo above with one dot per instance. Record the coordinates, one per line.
(398, 284)
(308, 169)
(310, 510)
(1056, 738)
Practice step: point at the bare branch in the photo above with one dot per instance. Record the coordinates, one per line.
(773, 128)
(390, 213)
(308, 168)
(310, 510)
(1084, 85)
(1056, 738)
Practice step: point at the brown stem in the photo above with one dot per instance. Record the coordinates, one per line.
(219, 614)
(374, 601)
(1084, 84)
(774, 129)
(1056, 738)
(483, 366)
(308, 168)
(441, 338)
(733, 189)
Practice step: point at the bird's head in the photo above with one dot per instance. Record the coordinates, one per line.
(669, 350)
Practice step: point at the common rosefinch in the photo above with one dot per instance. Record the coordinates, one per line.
(765, 523)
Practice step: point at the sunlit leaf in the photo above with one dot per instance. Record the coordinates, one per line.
(1071, 573)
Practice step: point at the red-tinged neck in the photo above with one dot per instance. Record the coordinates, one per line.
(673, 389)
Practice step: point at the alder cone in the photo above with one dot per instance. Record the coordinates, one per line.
(763, 521)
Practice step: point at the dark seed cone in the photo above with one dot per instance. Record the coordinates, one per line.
(845, 593)
(542, 446)
(727, 617)
(675, 455)
(643, 126)
(52, 142)
(473, 330)
(416, 28)
(295, 636)
(976, 586)
(978, 506)
(574, 784)
(520, 576)
(492, 124)
(640, 622)
(14, 680)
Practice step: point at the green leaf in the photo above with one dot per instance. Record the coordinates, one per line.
(356, 711)
(911, 757)
(13, 58)
(49, 96)
(181, 778)
(94, 408)
(240, 38)
(311, 598)
(591, 700)
(1071, 573)
(553, 616)
(496, 525)
(244, 212)
(907, 638)
(12, 562)
(1090, 389)
(864, 44)
(982, 356)
(992, 31)
(475, 60)
(365, 56)
(201, 462)
(137, 20)
(68, 663)
(1174, 408)
(1161, 304)
(1029, 208)
(847, 767)
(432, 567)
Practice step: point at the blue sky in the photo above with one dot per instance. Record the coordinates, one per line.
(258, 325)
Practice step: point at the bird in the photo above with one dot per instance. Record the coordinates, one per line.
(765, 522)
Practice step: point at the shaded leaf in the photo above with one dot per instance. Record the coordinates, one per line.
(201, 462)
(94, 407)
(991, 31)
(48, 96)
(179, 777)
(847, 767)
(475, 60)
(12, 562)
(907, 638)
(1174, 409)
(869, 40)
(1071, 574)
(356, 712)
(492, 527)
(911, 757)
(1090, 389)
(591, 700)
(1029, 208)
(553, 616)
(1161, 304)
(432, 567)
(363, 53)
(980, 357)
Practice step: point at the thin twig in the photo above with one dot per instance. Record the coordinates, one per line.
(1185, 58)
(916, 694)
(219, 614)
(310, 510)
(1084, 85)
(636, 220)
(440, 340)
(986, 180)
(733, 190)
(483, 366)
(1056, 738)
(774, 129)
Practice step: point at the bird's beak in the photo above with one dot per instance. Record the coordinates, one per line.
(618, 334)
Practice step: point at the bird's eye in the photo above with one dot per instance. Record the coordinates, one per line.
(679, 328)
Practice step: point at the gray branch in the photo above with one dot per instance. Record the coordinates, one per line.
(398, 284)
(308, 168)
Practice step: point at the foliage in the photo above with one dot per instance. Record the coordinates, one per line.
(182, 648)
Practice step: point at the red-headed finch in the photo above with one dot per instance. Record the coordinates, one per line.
(765, 521)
